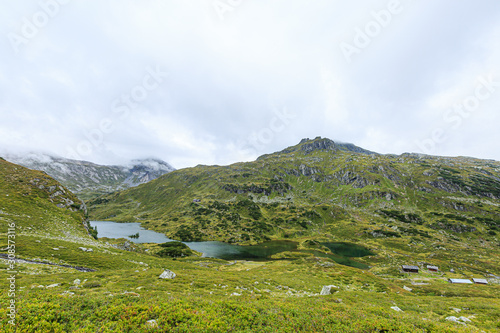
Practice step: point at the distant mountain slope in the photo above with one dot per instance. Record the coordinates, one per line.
(143, 171)
(89, 180)
(38, 204)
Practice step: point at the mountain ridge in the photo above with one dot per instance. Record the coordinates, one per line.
(87, 179)
(307, 145)
(321, 191)
(406, 210)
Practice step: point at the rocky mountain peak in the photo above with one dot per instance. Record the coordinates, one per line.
(318, 143)
(307, 146)
(150, 164)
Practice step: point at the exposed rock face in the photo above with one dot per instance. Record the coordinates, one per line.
(324, 144)
(455, 227)
(277, 187)
(440, 184)
(308, 146)
(327, 290)
(303, 170)
(319, 143)
(461, 320)
(143, 171)
(84, 249)
(59, 195)
(167, 274)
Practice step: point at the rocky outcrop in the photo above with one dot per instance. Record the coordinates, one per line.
(455, 227)
(266, 189)
(443, 185)
(302, 170)
(167, 274)
(327, 290)
(319, 143)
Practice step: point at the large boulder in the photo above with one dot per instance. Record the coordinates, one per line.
(167, 274)
(327, 290)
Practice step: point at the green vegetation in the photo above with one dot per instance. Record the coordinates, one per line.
(92, 231)
(408, 209)
(213, 296)
(174, 250)
(317, 190)
(38, 204)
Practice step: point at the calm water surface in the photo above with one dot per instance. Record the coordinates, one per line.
(343, 252)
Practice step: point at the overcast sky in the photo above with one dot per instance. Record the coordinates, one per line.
(220, 81)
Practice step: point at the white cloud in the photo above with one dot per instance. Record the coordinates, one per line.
(226, 76)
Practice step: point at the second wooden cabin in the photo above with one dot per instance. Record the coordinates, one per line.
(432, 268)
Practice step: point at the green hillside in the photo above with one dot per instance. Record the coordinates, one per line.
(408, 209)
(405, 209)
(38, 204)
(325, 191)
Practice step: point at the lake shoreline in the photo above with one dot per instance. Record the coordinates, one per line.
(340, 252)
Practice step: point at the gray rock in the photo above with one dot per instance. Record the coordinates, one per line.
(395, 308)
(327, 290)
(455, 319)
(53, 285)
(152, 323)
(325, 264)
(167, 274)
(84, 249)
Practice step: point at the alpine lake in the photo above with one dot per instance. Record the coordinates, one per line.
(343, 253)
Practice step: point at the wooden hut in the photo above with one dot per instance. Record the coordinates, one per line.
(480, 281)
(432, 268)
(410, 268)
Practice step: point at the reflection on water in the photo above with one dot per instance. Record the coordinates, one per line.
(125, 230)
(237, 252)
(342, 252)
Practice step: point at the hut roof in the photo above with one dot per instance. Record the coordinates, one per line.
(467, 281)
(480, 281)
(410, 267)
